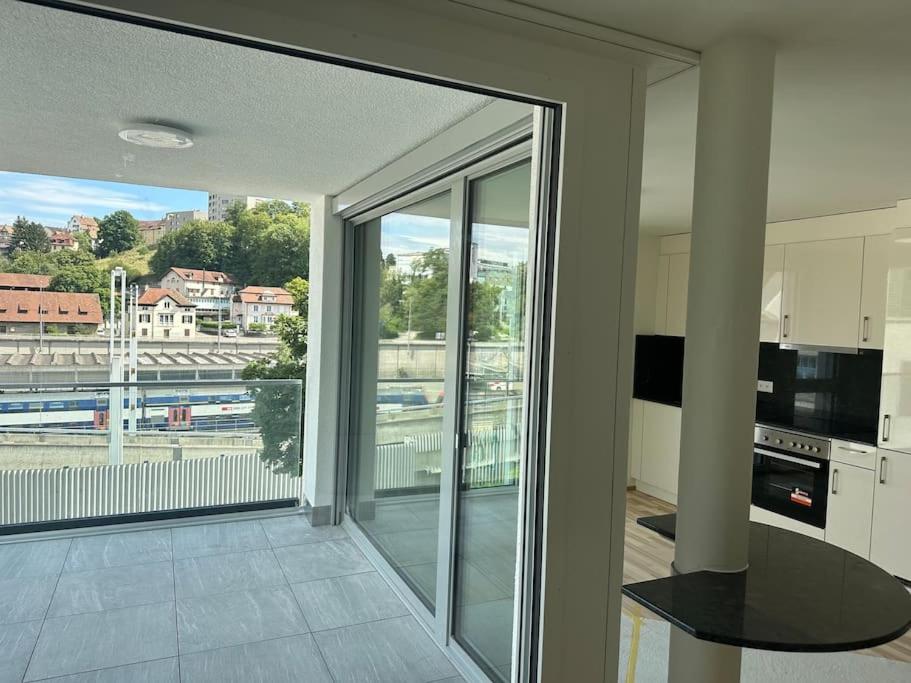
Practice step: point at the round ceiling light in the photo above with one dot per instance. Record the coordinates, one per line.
(161, 137)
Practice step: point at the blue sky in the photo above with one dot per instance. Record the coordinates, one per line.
(51, 200)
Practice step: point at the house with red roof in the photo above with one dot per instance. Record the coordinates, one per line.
(25, 312)
(165, 314)
(261, 306)
(209, 290)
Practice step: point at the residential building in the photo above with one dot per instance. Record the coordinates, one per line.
(219, 203)
(62, 240)
(165, 314)
(151, 231)
(254, 305)
(24, 281)
(25, 312)
(86, 224)
(6, 238)
(175, 219)
(209, 290)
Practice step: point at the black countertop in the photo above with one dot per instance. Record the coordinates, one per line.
(798, 595)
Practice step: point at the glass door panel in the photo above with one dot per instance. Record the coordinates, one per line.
(400, 305)
(493, 413)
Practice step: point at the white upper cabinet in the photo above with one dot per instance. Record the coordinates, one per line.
(772, 276)
(678, 280)
(889, 547)
(821, 296)
(873, 291)
(895, 396)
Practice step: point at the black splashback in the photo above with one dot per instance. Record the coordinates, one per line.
(658, 371)
(821, 392)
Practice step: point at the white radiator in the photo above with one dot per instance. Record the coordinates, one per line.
(71, 493)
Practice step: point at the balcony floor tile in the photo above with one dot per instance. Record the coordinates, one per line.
(16, 644)
(283, 660)
(27, 560)
(296, 530)
(119, 550)
(348, 600)
(218, 539)
(156, 671)
(25, 599)
(97, 590)
(85, 642)
(212, 574)
(322, 560)
(228, 619)
(390, 650)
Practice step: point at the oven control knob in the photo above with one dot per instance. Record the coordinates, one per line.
(816, 449)
(792, 444)
(777, 440)
(765, 437)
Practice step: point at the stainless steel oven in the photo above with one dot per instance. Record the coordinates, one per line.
(791, 475)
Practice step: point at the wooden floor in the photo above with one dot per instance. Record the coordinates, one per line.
(649, 556)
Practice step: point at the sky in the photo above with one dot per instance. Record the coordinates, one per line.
(51, 200)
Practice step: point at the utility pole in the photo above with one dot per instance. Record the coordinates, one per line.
(41, 320)
(134, 356)
(115, 391)
(219, 327)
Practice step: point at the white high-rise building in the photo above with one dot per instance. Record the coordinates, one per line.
(219, 203)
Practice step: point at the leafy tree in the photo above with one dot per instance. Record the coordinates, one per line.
(68, 257)
(282, 252)
(35, 262)
(195, 244)
(299, 289)
(117, 232)
(84, 240)
(248, 230)
(392, 304)
(276, 409)
(426, 294)
(234, 212)
(276, 208)
(483, 320)
(83, 278)
(29, 236)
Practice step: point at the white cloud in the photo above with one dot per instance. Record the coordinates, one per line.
(40, 194)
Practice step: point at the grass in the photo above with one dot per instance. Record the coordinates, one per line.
(135, 262)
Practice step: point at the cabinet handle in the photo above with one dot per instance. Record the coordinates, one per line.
(882, 470)
(786, 326)
(853, 450)
(866, 332)
(834, 481)
(887, 427)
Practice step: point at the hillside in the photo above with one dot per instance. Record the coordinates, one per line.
(135, 262)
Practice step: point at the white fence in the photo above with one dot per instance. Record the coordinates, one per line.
(40, 495)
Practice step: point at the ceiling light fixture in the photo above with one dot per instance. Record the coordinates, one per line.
(161, 137)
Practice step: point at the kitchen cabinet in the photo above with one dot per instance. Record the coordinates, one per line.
(821, 292)
(849, 508)
(889, 546)
(772, 278)
(873, 291)
(895, 389)
(855, 454)
(636, 411)
(678, 280)
(660, 450)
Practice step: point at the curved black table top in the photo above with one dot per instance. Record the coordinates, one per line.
(798, 595)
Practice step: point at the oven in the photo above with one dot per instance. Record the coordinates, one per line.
(791, 475)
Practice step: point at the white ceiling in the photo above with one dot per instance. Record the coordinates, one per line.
(264, 124)
(841, 130)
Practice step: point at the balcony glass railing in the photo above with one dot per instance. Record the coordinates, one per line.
(179, 445)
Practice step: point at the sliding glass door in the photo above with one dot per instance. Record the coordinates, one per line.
(438, 408)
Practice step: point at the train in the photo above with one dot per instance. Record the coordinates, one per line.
(156, 410)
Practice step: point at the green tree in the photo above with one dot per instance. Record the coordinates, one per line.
(276, 409)
(195, 244)
(299, 289)
(392, 300)
(483, 322)
(425, 296)
(35, 262)
(117, 232)
(234, 212)
(29, 236)
(282, 252)
(276, 208)
(249, 228)
(86, 278)
(84, 240)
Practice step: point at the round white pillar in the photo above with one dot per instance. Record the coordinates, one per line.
(722, 329)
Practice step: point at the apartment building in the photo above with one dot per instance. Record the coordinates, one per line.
(208, 290)
(219, 203)
(260, 306)
(165, 314)
(62, 240)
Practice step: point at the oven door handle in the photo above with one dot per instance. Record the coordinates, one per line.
(789, 458)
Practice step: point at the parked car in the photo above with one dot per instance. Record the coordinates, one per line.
(229, 333)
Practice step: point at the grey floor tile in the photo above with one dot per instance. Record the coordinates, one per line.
(236, 618)
(25, 599)
(37, 558)
(475, 586)
(391, 650)
(410, 547)
(211, 574)
(390, 517)
(157, 671)
(296, 530)
(99, 640)
(283, 660)
(347, 600)
(322, 560)
(119, 550)
(423, 578)
(16, 644)
(218, 539)
(97, 590)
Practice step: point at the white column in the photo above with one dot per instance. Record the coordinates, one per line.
(324, 341)
(722, 330)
